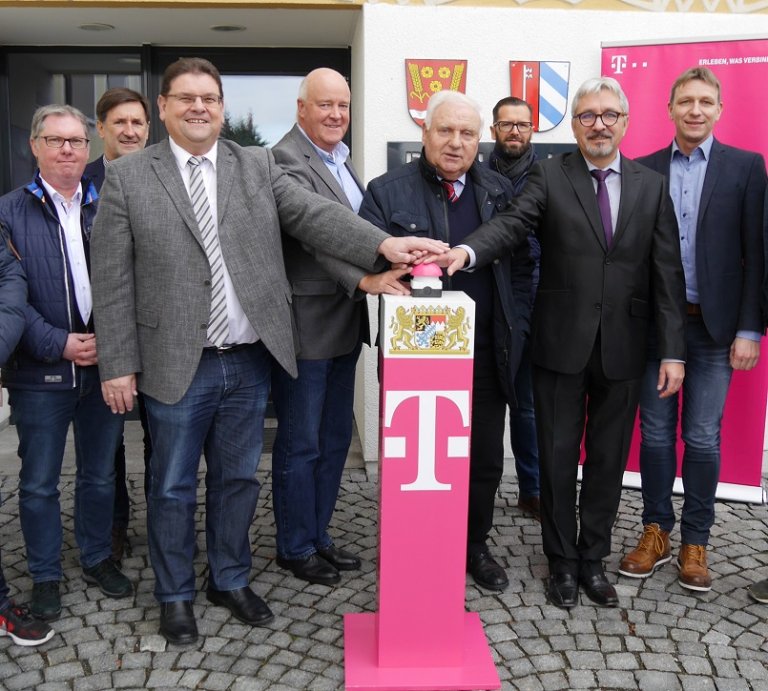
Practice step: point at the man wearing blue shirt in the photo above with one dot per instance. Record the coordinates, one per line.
(314, 411)
(718, 194)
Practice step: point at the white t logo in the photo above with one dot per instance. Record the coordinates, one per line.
(395, 447)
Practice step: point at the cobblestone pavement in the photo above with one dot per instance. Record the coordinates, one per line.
(661, 638)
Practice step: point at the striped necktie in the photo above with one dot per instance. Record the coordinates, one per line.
(218, 327)
(450, 190)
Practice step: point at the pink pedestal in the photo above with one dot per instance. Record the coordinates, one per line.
(421, 637)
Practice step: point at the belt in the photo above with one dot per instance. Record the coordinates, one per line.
(225, 349)
(693, 309)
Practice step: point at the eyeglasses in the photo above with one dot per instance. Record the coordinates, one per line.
(191, 99)
(608, 118)
(58, 142)
(522, 127)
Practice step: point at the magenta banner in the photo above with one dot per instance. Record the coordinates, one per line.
(646, 73)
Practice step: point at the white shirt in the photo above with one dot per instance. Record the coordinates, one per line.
(240, 329)
(70, 220)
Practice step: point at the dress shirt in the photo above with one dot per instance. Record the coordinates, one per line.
(240, 329)
(336, 161)
(68, 211)
(458, 184)
(686, 181)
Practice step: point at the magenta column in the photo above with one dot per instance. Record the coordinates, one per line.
(421, 637)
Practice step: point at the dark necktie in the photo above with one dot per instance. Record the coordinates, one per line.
(450, 190)
(604, 204)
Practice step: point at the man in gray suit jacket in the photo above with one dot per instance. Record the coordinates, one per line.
(314, 411)
(192, 305)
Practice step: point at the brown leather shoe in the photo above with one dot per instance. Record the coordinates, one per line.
(652, 552)
(692, 562)
(530, 505)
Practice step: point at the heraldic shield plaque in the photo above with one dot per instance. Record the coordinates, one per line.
(421, 637)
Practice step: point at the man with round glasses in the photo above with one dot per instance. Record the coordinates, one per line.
(52, 377)
(610, 261)
(513, 156)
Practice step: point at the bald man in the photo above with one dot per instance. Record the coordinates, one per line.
(314, 411)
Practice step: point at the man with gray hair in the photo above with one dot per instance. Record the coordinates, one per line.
(610, 264)
(53, 377)
(445, 195)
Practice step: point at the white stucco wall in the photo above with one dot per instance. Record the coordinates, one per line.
(488, 38)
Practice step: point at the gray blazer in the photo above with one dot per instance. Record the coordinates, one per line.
(329, 323)
(151, 278)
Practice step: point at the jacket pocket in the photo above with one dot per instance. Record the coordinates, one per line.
(412, 224)
(146, 318)
(314, 286)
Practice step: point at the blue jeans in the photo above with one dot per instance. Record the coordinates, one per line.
(221, 415)
(522, 429)
(314, 431)
(42, 422)
(705, 387)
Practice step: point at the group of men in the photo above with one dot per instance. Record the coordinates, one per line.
(213, 274)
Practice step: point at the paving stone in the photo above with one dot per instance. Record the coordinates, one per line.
(693, 683)
(67, 670)
(23, 681)
(94, 682)
(127, 678)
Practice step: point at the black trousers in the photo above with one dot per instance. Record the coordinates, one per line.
(563, 402)
(486, 457)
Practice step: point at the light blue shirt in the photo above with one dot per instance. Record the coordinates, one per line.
(686, 181)
(336, 161)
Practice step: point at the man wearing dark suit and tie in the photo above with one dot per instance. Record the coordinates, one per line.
(122, 122)
(610, 261)
(314, 410)
(718, 194)
(193, 306)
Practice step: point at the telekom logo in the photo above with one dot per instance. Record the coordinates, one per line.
(424, 433)
(618, 63)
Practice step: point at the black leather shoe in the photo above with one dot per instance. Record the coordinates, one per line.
(313, 569)
(487, 572)
(244, 604)
(177, 622)
(599, 590)
(563, 590)
(340, 559)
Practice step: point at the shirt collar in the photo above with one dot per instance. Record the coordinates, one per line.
(339, 155)
(614, 166)
(462, 179)
(182, 155)
(57, 197)
(705, 147)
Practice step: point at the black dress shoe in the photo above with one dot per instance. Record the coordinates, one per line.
(563, 590)
(599, 590)
(244, 604)
(177, 622)
(487, 572)
(340, 558)
(313, 569)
